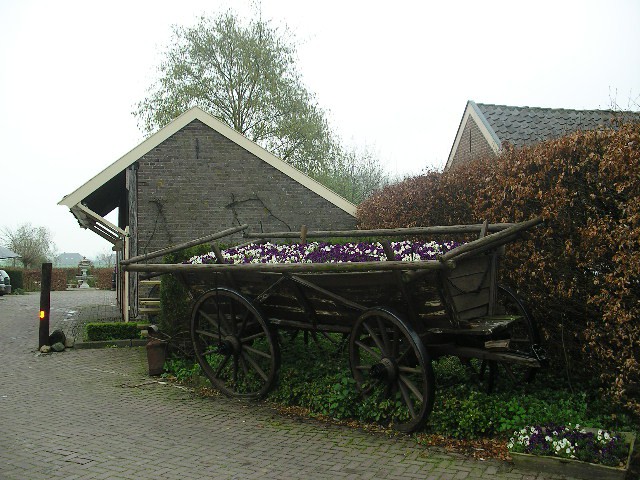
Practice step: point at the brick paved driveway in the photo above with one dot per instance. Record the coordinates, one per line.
(93, 414)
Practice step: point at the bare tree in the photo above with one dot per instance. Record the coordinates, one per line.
(33, 244)
(355, 174)
(105, 259)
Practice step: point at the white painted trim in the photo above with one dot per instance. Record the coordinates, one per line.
(125, 290)
(488, 133)
(183, 120)
(117, 231)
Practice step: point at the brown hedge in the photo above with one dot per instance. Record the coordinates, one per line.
(580, 270)
(61, 277)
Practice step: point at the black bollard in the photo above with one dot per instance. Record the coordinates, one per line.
(45, 305)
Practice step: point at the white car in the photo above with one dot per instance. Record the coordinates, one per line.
(5, 283)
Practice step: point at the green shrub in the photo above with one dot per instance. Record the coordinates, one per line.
(319, 379)
(111, 331)
(181, 369)
(175, 302)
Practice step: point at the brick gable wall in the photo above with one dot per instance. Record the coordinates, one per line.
(472, 145)
(198, 182)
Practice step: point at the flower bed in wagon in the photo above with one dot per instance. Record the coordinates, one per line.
(323, 252)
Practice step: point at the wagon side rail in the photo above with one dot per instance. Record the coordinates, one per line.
(160, 268)
(181, 246)
(381, 232)
(489, 242)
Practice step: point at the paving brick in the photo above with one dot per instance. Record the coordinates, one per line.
(95, 414)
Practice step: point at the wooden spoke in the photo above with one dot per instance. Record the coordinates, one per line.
(405, 381)
(407, 399)
(375, 338)
(213, 322)
(371, 352)
(222, 365)
(256, 352)
(243, 364)
(255, 366)
(207, 334)
(409, 369)
(253, 337)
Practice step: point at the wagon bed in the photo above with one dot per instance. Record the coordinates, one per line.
(397, 315)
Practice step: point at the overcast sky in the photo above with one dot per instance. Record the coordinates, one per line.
(393, 76)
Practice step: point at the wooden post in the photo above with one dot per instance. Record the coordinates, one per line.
(125, 290)
(303, 234)
(45, 305)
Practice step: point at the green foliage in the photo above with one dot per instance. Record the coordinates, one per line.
(317, 377)
(580, 270)
(181, 369)
(245, 74)
(353, 174)
(175, 303)
(111, 331)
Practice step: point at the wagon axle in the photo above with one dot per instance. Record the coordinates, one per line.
(228, 346)
(385, 370)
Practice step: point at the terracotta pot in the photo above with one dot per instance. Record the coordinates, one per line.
(156, 354)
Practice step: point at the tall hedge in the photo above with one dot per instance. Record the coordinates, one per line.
(175, 300)
(580, 270)
(30, 279)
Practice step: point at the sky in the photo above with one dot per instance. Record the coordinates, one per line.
(393, 77)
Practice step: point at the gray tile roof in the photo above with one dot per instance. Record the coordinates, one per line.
(526, 125)
(6, 253)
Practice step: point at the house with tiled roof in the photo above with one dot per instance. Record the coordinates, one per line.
(485, 128)
(67, 259)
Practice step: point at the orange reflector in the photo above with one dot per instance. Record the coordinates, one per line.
(41, 314)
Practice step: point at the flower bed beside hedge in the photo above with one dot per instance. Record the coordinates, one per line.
(575, 451)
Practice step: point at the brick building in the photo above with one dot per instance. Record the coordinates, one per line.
(194, 177)
(485, 128)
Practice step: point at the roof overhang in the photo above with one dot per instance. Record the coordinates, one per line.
(97, 224)
(95, 193)
(488, 133)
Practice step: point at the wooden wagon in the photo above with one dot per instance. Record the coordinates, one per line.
(398, 316)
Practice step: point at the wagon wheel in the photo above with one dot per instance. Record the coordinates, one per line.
(387, 356)
(234, 345)
(523, 338)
